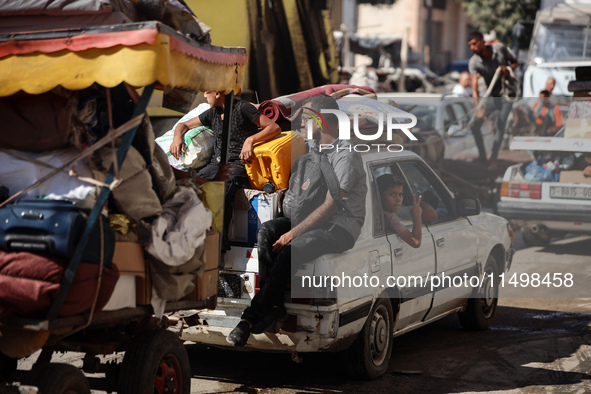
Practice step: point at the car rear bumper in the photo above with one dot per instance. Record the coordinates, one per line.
(544, 212)
(559, 218)
(304, 331)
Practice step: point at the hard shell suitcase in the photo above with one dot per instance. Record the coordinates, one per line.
(52, 227)
(274, 160)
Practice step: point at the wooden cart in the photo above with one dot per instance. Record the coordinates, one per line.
(149, 55)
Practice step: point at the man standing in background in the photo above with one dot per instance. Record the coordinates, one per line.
(462, 88)
(485, 62)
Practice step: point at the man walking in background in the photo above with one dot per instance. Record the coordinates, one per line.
(484, 63)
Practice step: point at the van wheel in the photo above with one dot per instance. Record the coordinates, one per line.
(534, 239)
(483, 305)
(156, 362)
(370, 353)
(57, 378)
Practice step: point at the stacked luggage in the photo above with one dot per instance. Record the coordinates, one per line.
(52, 180)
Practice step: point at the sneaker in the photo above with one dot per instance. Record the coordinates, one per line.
(278, 315)
(239, 335)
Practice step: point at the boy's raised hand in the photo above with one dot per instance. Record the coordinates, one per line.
(416, 209)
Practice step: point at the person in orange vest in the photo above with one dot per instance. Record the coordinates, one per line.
(548, 117)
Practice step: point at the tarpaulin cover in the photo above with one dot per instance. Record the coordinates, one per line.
(139, 54)
(54, 7)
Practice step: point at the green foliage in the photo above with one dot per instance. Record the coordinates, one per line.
(501, 16)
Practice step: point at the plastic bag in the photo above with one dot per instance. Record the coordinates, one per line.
(537, 173)
(198, 143)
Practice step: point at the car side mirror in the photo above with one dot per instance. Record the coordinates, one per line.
(468, 206)
(454, 129)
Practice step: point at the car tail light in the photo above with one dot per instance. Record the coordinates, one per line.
(521, 190)
(257, 286)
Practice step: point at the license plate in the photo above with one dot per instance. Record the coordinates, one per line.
(571, 192)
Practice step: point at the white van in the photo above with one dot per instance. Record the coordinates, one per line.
(559, 44)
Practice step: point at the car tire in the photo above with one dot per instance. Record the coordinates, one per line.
(57, 378)
(369, 355)
(155, 361)
(481, 307)
(533, 239)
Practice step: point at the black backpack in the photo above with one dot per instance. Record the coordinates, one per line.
(311, 177)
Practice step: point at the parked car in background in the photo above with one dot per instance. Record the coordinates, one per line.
(363, 319)
(458, 66)
(549, 196)
(448, 115)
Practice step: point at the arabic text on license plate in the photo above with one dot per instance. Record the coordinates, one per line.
(571, 192)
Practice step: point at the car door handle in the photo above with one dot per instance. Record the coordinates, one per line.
(398, 252)
(440, 242)
(374, 260)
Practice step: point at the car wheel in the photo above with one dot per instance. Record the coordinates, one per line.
(482, 306)
(370, 353)
(56, 378)
(534, 239)
(156, 362)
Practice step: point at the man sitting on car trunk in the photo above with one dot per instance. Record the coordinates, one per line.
(331, 227)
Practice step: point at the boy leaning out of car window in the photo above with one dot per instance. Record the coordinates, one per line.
(391, 190)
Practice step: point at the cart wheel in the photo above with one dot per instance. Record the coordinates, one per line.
(155, 361)
(54, 378)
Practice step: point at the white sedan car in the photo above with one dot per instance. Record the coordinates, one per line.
(548, 197)
(394, 288)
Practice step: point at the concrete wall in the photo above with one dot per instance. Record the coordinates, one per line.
(229, 24)
(395, 18)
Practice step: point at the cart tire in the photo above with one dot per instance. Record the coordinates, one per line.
(155, 361)
(55, 378)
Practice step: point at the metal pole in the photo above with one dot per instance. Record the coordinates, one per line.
(228, 107)
(429, 5)
(403, 60)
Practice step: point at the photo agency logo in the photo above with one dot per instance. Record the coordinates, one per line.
(345, 128)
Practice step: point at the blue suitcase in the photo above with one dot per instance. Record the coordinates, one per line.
(52, 227)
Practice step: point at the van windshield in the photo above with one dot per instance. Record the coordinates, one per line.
(561, 42)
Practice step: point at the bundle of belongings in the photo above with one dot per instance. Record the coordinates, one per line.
(548, 166)
(147, 247)
(19, 16)
(198, 143)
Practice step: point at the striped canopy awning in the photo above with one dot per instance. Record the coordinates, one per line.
(137, 53)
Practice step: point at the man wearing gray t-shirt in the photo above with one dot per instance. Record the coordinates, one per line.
(331, 227)
(484, 63)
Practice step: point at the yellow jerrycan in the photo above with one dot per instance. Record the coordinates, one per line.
(273, 161)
